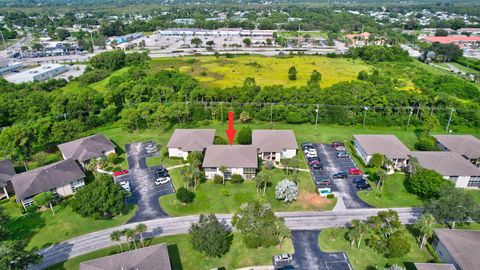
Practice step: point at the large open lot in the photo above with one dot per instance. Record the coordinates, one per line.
(224, 72)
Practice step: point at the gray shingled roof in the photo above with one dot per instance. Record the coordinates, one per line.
(231, 156)
(149, 258)
(465, 145)
(462, 245)
(446, 163)
(435, 266)
(86, 148)
(273, 140)
(191, 139)
(388, 145)
(43, 179)
(6, 171)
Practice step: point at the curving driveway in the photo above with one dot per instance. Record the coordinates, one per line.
(179, 225)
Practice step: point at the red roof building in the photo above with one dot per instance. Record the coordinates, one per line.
(458, 40)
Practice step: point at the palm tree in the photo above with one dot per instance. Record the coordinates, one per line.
(381, 179)
(261, 182)
(425, 226)
(140, 229)
(196, 173)
(185, 173)
(361, 228)
(116, 236)
(92, 166)
(286, 162)
(130, 235)
(223, 169)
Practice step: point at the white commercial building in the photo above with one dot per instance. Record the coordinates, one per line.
(275, 145)
(388, 145)
(184, 141)
(41, 73)
(237, 159)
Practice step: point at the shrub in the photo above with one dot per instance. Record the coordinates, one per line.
(397, 246)
(218, 179)
(236, 179)
(184, 195)
(92, 76)
(210, 236)
(113, 158)
(330, 196)
(225, 192)
(219, 140)
(245, 117)
(426, 183)
(268, 165)
(245, 136)
(286, 190)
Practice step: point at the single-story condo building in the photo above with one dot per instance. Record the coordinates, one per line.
(152, 257)
(458, 247)
(7, 171)
(61, 178)
(451, 166)
(238, 159)
(388, 145)
(466, 145)
(184, 141)
(85, 149)
(274, 145)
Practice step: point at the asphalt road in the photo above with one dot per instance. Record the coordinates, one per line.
(145, 193)
(309, 256)
(180, 225)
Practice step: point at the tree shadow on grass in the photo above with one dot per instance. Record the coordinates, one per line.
(26, 226)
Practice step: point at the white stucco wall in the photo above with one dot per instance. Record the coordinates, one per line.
(177, 152)
(289, 153)
(461, 182)
(444, 254)
(366, 158)
(211, 172)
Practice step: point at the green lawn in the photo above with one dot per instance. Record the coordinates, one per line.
(393, 194)
(165, 161)
(333, 240)
(182, 255)
(225, 72)
(42, 228)
(210, 197)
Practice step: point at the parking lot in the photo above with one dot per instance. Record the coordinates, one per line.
(142, 184)
(332, 164)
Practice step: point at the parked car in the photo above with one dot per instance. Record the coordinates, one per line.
(337, 144)
(316, 166)
(354, 171)
(306, 146)
(162, 180)
(342, 155)
(122, 172)
(313, 160)
(357, 180)
(311, 155)
(151, 148)
(324, 181)
(310, 151)
(282, 260)
(339, 175)
(364, 185)
(339, 148)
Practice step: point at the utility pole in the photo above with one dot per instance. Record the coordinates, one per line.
(221, 110)
(409, 116)
(316, 118)
(449, 119)
(364, 115)
(271, 115)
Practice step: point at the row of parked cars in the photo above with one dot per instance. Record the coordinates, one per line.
(161, 176)
(313, 160)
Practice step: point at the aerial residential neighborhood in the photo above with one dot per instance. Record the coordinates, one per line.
(268, 135)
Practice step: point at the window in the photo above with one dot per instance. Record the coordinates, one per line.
(474, 181)
(249, 173)
(453, 179)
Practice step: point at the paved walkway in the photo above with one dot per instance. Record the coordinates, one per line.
(340, 206)
(177, 166)
(180, 225)
(278, 166)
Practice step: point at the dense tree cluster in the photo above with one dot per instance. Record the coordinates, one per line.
(210, 236)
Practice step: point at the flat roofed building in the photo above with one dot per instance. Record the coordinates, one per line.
(148, 258)
(451, 166)
(61, 178)
(466, 145)
(41, 73)
(184, 141)
(275, 144)
(238, 159)
(387, 145)
(85, 149)
(458, 247)
(7, 171)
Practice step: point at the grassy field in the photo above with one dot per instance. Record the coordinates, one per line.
(333, 239)
(42, 228)
(182, 255)
(393, 194)
(218, 198)
(224, 72)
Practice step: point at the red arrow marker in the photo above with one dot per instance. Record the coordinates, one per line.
(230, 131)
